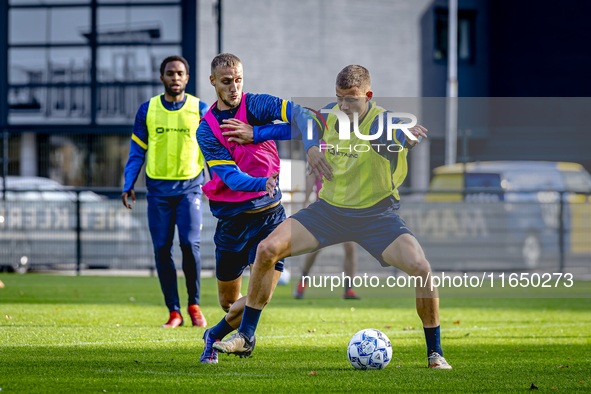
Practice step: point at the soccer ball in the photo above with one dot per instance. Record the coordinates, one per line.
(369, 349)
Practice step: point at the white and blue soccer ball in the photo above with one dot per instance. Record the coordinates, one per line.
(369, 349)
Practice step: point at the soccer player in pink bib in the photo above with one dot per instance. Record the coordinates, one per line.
(244, 193)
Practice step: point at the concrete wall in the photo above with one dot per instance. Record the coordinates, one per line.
(296, 48)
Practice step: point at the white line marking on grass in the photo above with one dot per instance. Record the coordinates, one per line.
(286, 336)
(184, 373)
(96, 343)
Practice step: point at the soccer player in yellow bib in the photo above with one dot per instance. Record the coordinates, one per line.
(164, 134)
(359, 204)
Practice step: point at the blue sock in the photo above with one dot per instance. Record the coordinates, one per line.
(221, 329)
(250, 319)
(433, 340)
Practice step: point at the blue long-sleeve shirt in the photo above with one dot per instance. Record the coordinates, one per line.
(137, 156)
(279, 131)
(261, 109)
(379, 144)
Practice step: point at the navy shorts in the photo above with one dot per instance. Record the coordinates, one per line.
(237, 238)
(374, 228)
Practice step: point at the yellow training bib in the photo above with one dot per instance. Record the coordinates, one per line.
(173, 151)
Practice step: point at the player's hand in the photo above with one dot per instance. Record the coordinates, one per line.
(242, 133)
(318, 164)
(417, 131)
(124, 198)
(271, 184)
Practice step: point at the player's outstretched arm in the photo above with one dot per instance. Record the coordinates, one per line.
(418, 131)
(283, 131)
(243, 133)
(266, 108)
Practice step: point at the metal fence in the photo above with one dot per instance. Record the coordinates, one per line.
(515, 231)
(74, 230)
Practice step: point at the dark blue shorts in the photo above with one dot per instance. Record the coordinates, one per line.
(236, 239)
(374, 228)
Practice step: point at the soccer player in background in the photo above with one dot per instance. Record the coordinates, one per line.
(359, 204)
(164, 132)
(243, 193)
(349, 263)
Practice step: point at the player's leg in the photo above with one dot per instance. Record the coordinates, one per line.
(350, 266)
(188, 220)
(289, 238)
(405, 253)
(161, 219)
(229, 268)
(233, 245)
(307, 230)
(228, 294)
(309, 261)
(267, 223)
(260, 226)
(234, 316)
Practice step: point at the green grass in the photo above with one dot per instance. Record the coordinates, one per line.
(96, 334)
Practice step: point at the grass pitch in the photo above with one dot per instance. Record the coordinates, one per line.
(102, 334)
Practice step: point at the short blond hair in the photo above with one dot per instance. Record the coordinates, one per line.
(354, 75)
(224, 60)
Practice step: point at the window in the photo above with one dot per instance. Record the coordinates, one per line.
(139, 24)
(466, 33)
(48, 25)
(51, 55)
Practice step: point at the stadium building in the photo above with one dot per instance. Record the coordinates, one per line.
(74, 72)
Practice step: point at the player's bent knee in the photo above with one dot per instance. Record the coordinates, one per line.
(419, 267)
(225, 304)
(267, 253)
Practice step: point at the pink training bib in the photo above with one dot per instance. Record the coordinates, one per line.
(257, 160)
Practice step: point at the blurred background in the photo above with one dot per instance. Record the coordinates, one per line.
(74, 72)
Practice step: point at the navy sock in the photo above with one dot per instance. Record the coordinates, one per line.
(250, 319)
(433, 340)
(221, 329)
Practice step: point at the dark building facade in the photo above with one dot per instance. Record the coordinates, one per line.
(72, 76)
(514, 49)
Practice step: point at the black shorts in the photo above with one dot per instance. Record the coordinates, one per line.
(374, 228)
(237, 238)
